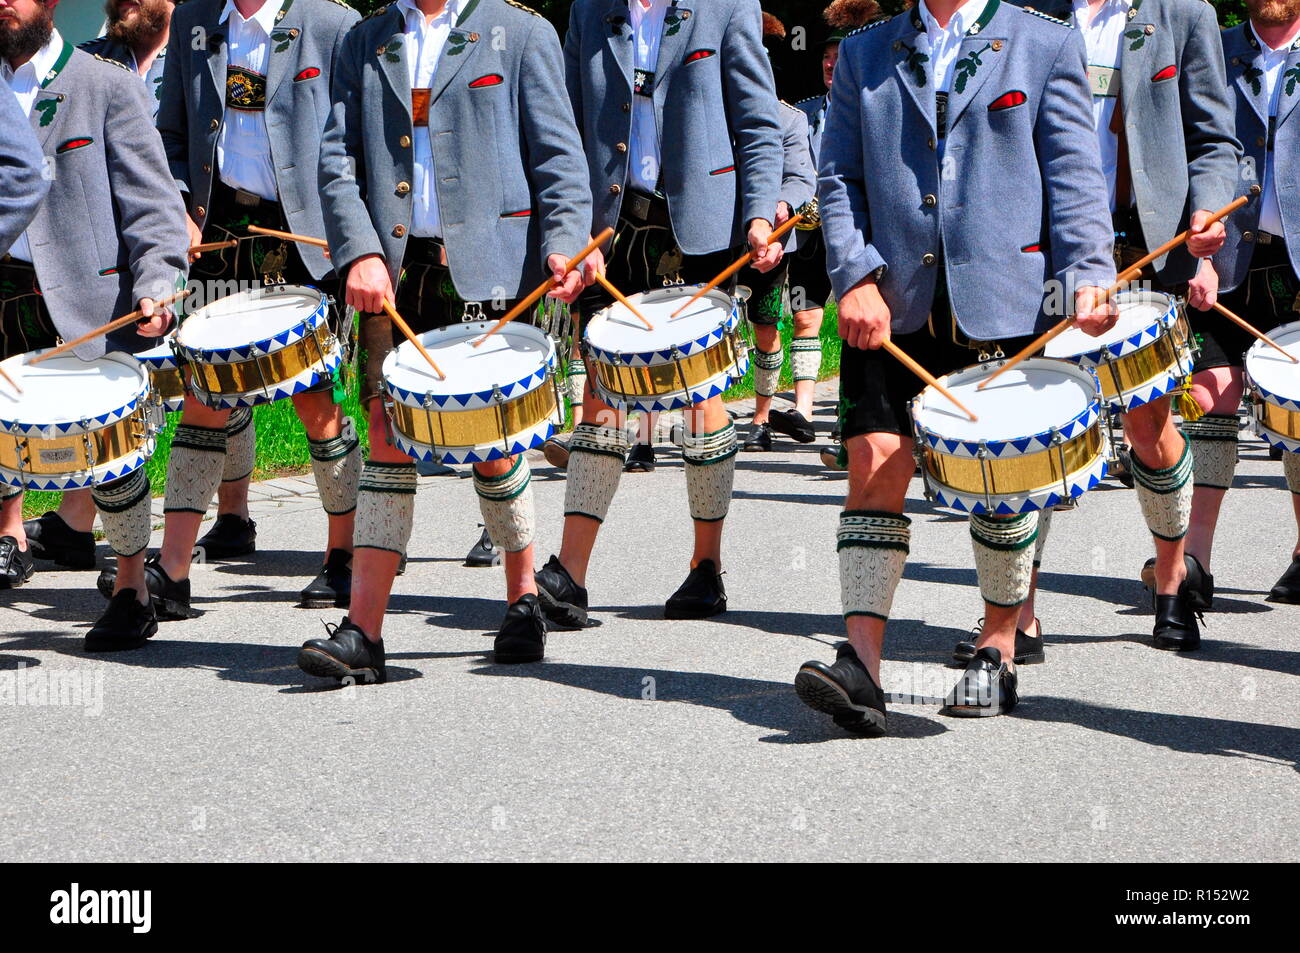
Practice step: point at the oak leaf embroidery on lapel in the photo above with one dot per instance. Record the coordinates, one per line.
(1251, 75)
(390, 51)
(673, 22)
(1291, 76)
(915, 61)
(283, 38)
(1139, 38)
(456, 44)
(967, 67)
(47, 108)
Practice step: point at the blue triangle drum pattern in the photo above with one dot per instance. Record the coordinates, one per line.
(1016, 446)
(295, 385)
(50, 431)
(123, 466)
(649, 358)
(712, 387)
(263, 348)
(1075, 485)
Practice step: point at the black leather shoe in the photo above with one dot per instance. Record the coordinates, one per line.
(793, 424)
(346, 654)
(332, 587)
(49, 537)
(1029, 648)
(171, 600)
(830, 457)
(124, 625)
(522, 636)
(562, 599)
(1199, 583)
(700, 596)
(483, 553)
(556, 452)
(1287, 589)
(1176, 626)
(759, 439)
(986, 688)
(16, 565)
(231, 536)
(640, 459)
(845, 691)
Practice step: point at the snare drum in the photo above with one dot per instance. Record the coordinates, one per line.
(1274, 387)
(1146, 355)
(683, 361)
(259, 346)
(164, 374)
(1038, 442)
(497, 400)
(77, 423)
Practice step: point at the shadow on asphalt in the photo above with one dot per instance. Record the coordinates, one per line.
(1187, 733)
(763, 704)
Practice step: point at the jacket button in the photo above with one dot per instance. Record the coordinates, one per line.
(930, 142)
(1255, 189)
(927, 259)
(627, 107)
(404, 142)
(399, 231)
(615, 189)
(207, 169)
(201, 212)
(930, 201)
(621, 147)
(403, 188)
(1260, 140)
(1247, 236)
(214, 125)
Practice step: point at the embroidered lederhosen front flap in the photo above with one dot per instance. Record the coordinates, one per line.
(245, 89)
(420, 107)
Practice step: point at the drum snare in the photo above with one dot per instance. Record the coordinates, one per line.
(1273, 383)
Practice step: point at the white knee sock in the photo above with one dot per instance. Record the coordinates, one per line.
(194, 468)
(710, 472)
(385, 506)
(124, 510)
(806, 358)
(336, 464)
(596, 456)
(767, 371)
(1213, 440)
(1004, 556)
(1166, 495)
(241, 446)
(872, 548)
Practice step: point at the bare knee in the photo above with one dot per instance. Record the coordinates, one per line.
(1146, 424)
(382, 449)
(197, 414)
(319, 414)
(880, 468)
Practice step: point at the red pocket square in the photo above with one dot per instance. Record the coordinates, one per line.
(491, 79)
(1169, 72)
(699, 55)
(1008, 99)
(310, 72)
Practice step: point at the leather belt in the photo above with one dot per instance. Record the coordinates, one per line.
(646, 208)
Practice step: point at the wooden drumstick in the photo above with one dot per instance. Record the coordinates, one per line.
(9, 380)
(106, 329)
(1124, 277)
(289, 236)
(1247, 326)
(738, 264)
(925, 375)
(410, 336)
(609, 286)
(546, 285)
(213, 246)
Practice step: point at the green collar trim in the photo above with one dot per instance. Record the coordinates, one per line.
(64, 55)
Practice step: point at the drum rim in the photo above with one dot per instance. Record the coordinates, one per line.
(661, 355)
(98, 421)
(1034, 442)
(1126, 344)
(160, 362)
(265, 346)
(1094, 473)
(477, 398)
(281, 390)
(1260, 349)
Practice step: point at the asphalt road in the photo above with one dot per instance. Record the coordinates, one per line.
(649, 740)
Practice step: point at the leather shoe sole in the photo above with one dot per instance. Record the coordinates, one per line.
(315, 662)
(694, 611)
(822, 694)
(114, 643)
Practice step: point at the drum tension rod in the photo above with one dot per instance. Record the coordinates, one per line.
(1058, 442)
(982, 456)
(500, 400)
(391, 409)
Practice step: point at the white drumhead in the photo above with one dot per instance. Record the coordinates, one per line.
(1271, 370)
(1031, 398)
(509, 357)
(162, 355)
(1137, 310)
(618, 330)
(66, 389)
(248, 317)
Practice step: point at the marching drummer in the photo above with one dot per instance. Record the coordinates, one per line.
(240, 118)
(680, 121)
(473, 90)
(1164, 129)
(109, 191)
(1257, 264)
(991, 104)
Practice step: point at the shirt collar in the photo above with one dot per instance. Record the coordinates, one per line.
(42, 60)
(1266, 49)
(961, 21)
(265, 17)
(1082, 5)
(415, 16)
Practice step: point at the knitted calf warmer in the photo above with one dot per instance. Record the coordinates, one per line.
(767, 372)
(336, 464)
(385, 506)
(576, 381)
(872, 548)
(1044, 527)
(506, 503)
(806, 358)
(194, 468)
(1291, 467)
(241, 446)
(596, 456)
(1213, 440)
(1166, 495)
(124, 509)
(710, 472)
(1004, 556)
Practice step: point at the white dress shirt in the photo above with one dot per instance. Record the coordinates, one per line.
(152, 79)
(1272, 62)
(244, 148)
(425, 40)
(647, 30)
(1103, 38)
(942, 44)
(26, 83)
